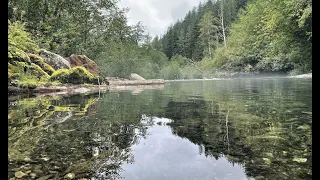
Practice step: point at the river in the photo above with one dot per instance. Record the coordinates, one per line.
(231, 129)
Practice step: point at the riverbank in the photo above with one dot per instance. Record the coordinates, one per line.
(67, 88)
(309, 75)
(116, 85)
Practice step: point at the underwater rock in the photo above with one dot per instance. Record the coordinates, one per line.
(69, 176)
(300, 160)
(19, 174)
(45, 159)
(33, 175)
(267, 161)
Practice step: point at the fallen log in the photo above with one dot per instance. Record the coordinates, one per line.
(134, 82)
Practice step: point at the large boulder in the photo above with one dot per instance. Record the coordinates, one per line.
(54, 60)
(82, 60)
(134, 76)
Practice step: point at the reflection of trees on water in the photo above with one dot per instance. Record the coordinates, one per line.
(263, 152)
(191, 120)
(268, 137)
(29, 117)
(88, 146)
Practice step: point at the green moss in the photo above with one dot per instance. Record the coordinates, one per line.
(60, 75)
(28, 76)
(35, 58)
(76, 75)
(40, 62)
(37, 71)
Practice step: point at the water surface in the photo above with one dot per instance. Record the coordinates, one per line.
(214, 129)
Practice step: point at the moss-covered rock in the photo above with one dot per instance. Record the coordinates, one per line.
(83, 60)
(60, 75)
(76, 75)
(40, 62)
(38, 71)
(25, 75)
(54, 60)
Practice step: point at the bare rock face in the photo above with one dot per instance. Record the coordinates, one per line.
(54, 60)
(82, 60)
(134, 76)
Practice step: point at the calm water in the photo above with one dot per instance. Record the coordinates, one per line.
(219, 129)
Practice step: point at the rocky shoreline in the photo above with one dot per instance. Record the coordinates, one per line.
(58, 89)
(114, 85)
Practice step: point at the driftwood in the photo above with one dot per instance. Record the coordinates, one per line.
(134, 82)
(136, 89)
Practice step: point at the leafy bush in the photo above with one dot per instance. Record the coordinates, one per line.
(122, 60)
(172, 71)
(19, 42)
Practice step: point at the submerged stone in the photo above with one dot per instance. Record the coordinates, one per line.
(33, 175)
(69, 176)
(45, 159)
(19, 174)
(300, 160)
(304, 127)
(267, 161)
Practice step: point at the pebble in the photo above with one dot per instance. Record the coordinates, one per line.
(45, 159)
(27, 159)
(300, 160)
(19, 174)
(33, 175)
(16, 169)
(70, 176)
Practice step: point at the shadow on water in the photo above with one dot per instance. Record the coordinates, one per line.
(258, 129)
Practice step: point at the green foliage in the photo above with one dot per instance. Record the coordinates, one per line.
(75, 75)
(19, 42)
(172, 71)
(266, 37)
(72, 27)
(123, 59)
(209, 28)
(190, 37)
(190, 72)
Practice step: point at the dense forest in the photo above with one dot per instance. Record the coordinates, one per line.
(236, 35)
(217, 36)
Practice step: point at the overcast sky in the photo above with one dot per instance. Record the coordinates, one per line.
(157, 15)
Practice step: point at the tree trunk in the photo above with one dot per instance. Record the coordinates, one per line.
(209, 45)
(222, 25)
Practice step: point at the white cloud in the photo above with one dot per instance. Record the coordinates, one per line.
(157, 15)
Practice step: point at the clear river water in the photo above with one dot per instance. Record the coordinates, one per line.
(228, 129)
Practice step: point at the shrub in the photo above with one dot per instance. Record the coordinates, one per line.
(19, 42)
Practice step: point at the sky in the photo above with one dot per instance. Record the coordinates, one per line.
(157, 15)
